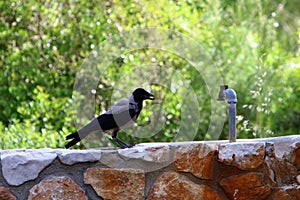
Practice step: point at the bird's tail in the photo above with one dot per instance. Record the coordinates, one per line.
(75, 137)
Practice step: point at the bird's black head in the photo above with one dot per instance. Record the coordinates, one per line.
(140, 94)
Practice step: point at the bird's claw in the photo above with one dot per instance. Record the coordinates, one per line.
(122, 144)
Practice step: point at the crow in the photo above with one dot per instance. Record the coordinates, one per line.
(121, 115)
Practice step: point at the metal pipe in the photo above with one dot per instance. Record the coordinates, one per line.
(229, 95)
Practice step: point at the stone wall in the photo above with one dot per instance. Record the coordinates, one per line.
(248, 169)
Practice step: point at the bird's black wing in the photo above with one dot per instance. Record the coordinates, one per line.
(117, 120)
(102, 123)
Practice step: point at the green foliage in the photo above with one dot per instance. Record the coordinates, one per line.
(254, 44)
(41, 118)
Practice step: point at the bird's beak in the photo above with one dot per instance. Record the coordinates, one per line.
(150, 96)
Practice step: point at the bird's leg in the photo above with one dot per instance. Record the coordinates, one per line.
(122, 144)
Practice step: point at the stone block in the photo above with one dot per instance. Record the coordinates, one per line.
(150, 153)
(56, 188)
(195, 158)
(246, 186)
(121, 184)
(20, 166)
(5, 194)
(173, 186)
(280, 194)
(245, 156)
(71, 157)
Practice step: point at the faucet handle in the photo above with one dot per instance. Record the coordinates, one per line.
(222, 92)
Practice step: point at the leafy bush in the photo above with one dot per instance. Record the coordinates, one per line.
(254, 44)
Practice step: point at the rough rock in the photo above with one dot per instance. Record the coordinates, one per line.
(293, 191)
(195, 158)
(147, 157)
(116, 183)
(283, 172)
(280, 171)
(246, 186)
(5, 194)
(292, 154)
(282, 144)
(298, 179)
(280, 194)
(71, 157)
(172, 186)
(154, 153)
(296, 152)
(288, 192)
(27, 164)
(245, 156)
(56, 188)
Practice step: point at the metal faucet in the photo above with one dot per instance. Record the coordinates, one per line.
(229, 95)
